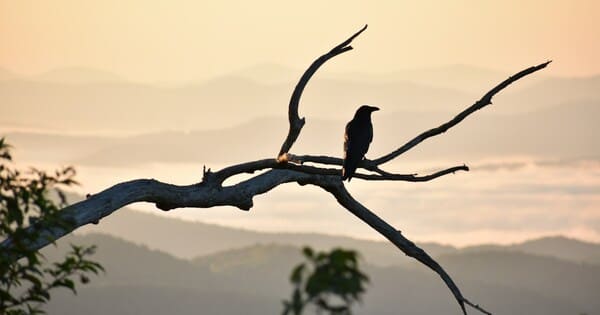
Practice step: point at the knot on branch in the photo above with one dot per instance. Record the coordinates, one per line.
(246, 204)
(165, 206)
(210, 178)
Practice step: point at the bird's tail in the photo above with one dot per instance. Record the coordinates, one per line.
(347, 173)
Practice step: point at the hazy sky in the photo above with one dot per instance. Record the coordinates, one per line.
(176, 41)
(180, 41)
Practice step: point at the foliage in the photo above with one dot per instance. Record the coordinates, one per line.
(26, 209)
(330, 281)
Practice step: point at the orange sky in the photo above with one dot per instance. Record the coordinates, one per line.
(178, 41)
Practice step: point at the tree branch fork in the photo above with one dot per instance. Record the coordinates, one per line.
(320, 171)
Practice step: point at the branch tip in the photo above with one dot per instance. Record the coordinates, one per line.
(481, 103)
(296, 123)
(347, 42)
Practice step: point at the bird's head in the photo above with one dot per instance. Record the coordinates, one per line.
(365, 110)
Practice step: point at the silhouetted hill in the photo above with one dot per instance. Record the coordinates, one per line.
(161, 300)
(99, 106)
(573, 126)
(187, 239)
(555, 91)
(255, 264)
(6, 74)
(192, 239)
(566, 247)
(575, 283)
(269, 73)
(553, 246)
(53, 147)
(127, 263)
(77, 75)
(253, 280)
(89, 100)
(461, 77)
(142, 281)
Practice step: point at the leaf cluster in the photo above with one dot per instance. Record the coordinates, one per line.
(329, 281)
(27, 209)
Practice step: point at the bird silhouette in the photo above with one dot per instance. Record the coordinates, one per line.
(358, 136)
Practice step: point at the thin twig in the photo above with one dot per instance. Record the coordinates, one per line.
(258, 165)
(484, 101)
(296, 123)
(345, 199)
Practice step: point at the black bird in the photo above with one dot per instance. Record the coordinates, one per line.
(358, 136)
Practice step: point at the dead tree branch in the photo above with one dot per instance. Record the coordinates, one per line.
(296, 123)
(484, 101)
(286, 168)
(393, 235)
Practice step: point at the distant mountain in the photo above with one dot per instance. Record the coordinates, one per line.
(254, 280)
(142, 281)
(192, 239)
(54, 147)
(77, 75)
(464, 78)
(100, 106)
(553, 91)
(564, 281)
(99, 99)
(188, 240)
(564, 247)
(460, 77)
(222, 101)
(574, 126)
(269, 73)
(552, 246)
(6, 74)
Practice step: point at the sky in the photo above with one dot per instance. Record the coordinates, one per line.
(180, 41)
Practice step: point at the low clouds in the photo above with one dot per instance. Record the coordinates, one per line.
(495, 202)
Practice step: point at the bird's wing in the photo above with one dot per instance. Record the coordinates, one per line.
(346, 139)
(360, 138)
(356, 144)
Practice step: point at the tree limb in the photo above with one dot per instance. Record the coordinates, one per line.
(206, 194)
(251, 167)
(484, 101)
(344, 198)
(296, 123)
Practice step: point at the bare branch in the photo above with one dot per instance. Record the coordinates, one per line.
(296, 123)
(208, 193)
(250, 167)
(393, 235)
(412, 177)
(376, 177)
(166, 197)
(484, 101)
(328, 160)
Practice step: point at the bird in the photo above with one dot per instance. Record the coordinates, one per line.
(357, 137)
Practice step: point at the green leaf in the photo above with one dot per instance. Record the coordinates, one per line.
(24, 196)
(296, 275)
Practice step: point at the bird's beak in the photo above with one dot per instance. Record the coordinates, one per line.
(374, 109)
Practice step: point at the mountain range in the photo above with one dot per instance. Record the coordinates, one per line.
(253, 279)
(70, 100)
(101, 119)
(553, 133)
(158, 265)
(187, 240)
